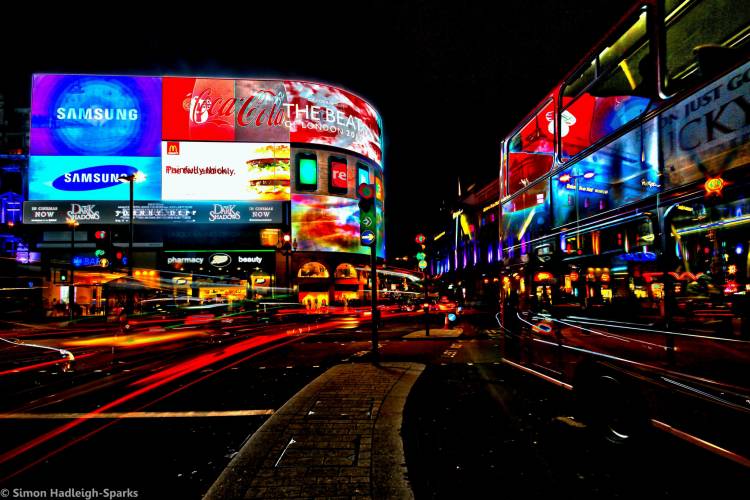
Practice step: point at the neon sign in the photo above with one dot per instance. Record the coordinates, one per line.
(639, 257)
(714, 186)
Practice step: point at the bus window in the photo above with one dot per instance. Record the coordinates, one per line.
(611, 272)
(531, 149)
(525, 218)
(711, 276)
(624, 83)
(704, 37)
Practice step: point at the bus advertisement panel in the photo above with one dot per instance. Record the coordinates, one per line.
(707, 133)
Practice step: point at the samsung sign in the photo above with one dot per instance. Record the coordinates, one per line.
(93, 178)
(87, 179)
(91, 115)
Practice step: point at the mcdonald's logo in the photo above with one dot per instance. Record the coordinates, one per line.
(173, 148)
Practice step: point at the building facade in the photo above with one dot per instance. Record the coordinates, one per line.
(220, 189)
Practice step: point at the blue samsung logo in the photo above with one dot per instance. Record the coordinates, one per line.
(91, 178)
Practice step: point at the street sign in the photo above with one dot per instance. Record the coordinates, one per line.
(420, 239)
(367, 237)
(422, 264)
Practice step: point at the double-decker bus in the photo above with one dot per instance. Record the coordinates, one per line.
(625, 230)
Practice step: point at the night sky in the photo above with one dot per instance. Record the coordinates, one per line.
(449, 79)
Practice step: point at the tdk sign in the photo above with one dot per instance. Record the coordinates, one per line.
(91, 178)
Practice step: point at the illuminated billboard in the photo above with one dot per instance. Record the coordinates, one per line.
(211, 109)
(322, 114)
(225, 171)
(77, 115)
(93, 177)
(330, 224)
(193, 141)
(153, 212)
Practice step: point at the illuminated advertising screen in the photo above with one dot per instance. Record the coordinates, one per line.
(330, 224)
(225, 171)
(93, 177)
(74, 115)
(322, 114)
(339, 175)
(210, 109)
(153, 212)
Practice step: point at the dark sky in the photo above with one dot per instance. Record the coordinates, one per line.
(449, 79)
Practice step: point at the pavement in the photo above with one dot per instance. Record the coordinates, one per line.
(340, 436)
(436, 333)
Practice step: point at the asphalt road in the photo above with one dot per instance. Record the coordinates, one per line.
(473, 427)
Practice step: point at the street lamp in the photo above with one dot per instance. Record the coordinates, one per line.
(135, 177)
(286, 246)
(73, 224)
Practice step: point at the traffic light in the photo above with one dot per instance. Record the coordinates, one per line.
(62, 276)
(367, 215)
(122, 259)
(102, 247)
(420, 240)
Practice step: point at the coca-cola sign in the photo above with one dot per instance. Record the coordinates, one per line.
(204, 109)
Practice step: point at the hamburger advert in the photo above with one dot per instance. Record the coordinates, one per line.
(225, 171)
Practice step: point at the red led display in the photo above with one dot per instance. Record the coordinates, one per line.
(339, 175)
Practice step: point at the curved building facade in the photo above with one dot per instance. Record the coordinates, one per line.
(223, 169)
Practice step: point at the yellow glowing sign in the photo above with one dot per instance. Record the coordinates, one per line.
(714, 185)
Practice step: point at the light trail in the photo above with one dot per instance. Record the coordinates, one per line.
(155, 382)
(135, 414)
(134, 340)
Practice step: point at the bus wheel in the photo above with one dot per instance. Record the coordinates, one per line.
(615, 412)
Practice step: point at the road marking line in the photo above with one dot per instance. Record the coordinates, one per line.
(134, 414)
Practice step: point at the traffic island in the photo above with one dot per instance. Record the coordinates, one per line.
(436, 333)
(337, 437)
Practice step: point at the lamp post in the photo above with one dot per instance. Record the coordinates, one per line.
(135, 177)
(72, 223)
(287, 246)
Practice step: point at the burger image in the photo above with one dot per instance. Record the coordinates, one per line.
(269, 178)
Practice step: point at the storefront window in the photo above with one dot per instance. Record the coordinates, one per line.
(313, 270)
(710, 276)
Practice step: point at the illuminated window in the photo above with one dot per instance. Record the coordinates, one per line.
(363, 174)
(269, 237)
(610, 91)
(531, 149)
(338, 175)
(307, 172)
(379, 188)
(345, 271)
(698, 50)
(313, 270)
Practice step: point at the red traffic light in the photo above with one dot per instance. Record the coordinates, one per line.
(100, 235)
(366, 191)
(118, 255)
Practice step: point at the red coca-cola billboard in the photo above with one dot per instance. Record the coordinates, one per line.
(198, 109)
(205, 109)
